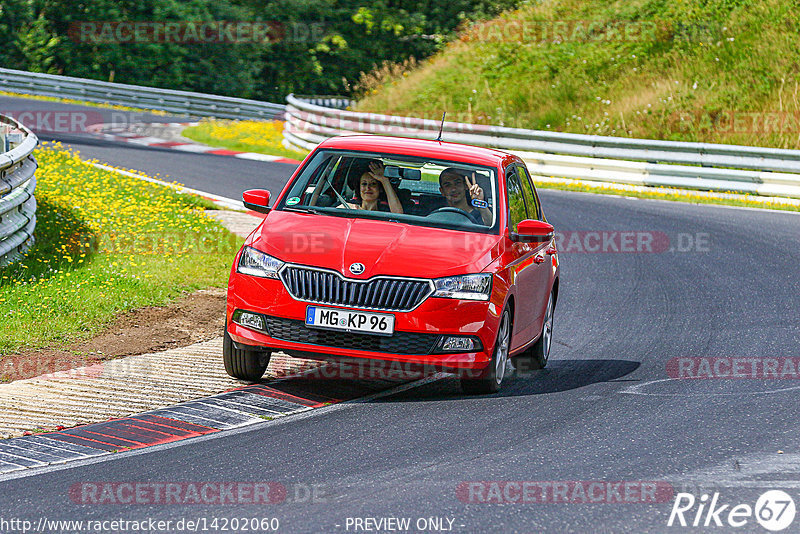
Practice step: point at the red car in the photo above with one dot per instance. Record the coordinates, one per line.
(400, 250)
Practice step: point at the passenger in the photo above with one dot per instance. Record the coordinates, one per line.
(458, 190)
(374, 187)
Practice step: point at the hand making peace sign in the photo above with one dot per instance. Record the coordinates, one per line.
(475, 190)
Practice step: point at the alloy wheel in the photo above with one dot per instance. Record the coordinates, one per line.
(501, 359)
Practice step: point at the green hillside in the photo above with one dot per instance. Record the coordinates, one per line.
(718, 70)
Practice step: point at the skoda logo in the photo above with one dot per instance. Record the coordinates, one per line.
(357, 268)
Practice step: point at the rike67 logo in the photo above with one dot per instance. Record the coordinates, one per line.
(774, 510)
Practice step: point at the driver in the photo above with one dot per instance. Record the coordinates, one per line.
(459, 190)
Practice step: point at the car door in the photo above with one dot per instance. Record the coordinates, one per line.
(542, 270)
(522, 269)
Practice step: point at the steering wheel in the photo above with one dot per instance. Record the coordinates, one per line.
(450, 209)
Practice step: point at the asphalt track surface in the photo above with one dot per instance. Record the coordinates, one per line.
(605, 408)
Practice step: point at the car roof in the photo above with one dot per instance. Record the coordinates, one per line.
(420, 148)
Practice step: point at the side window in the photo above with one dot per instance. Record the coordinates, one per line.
(531, 199)
(516, 200)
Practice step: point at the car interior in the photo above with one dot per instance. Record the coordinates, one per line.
(416, 185)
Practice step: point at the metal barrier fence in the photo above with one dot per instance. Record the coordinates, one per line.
(137, 96)
(17, 203)
(704, 166)
(310, 120)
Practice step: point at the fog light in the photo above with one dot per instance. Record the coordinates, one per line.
(250, 320)
(460, 344)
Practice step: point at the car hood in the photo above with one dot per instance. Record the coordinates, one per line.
(383, 247)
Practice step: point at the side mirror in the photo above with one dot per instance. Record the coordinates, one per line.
(256, 200)
(533, 231)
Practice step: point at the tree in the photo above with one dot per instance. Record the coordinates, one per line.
(317, 46)
(355, 38)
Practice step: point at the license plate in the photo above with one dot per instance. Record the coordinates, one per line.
(350, 321)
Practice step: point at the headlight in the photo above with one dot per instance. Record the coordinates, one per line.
(256, 263)
(466, 287)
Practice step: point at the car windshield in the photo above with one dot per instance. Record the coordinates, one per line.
(399, 188)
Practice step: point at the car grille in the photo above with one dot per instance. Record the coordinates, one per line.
(382, 293)
(397, 343)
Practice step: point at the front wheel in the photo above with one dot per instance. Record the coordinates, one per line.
(243, 364)
(536, 356)
(490, 379)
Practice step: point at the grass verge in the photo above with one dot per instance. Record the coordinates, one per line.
(105, 243)
(263, 137)
(718, 71)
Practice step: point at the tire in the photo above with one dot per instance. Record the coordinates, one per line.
(492, 377)
(243, 364)
(536, 356)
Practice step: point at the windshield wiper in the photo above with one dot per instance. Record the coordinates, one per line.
(302, 209)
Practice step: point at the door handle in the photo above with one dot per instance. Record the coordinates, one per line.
(539, 258)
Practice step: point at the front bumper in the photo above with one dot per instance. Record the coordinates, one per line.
(415, 338)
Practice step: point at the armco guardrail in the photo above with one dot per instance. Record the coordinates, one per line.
(704, 166)
(17, 203)
(137, 96)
